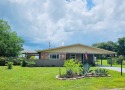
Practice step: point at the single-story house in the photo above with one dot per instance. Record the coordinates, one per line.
(26, 53)
(56, 56)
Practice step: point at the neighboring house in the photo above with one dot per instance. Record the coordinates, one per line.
(56, 56)
(26, 53)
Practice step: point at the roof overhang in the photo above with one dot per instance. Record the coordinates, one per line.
(77, 48)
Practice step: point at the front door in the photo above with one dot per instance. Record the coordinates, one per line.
(73, 56)
(70, 56)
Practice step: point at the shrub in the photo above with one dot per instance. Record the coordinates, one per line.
(72, 65)
(31, 63)
(21, 58)
(118, 60)
(123, 62)
(32, 58)
(15, 60)
(101, 72)
(24, 63)
(62, 75)
(2, 61)
(9, 65)
(69, 73)
(81, 70)
(109, 60)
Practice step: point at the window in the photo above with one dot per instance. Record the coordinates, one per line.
(72, 56)
(54, 56)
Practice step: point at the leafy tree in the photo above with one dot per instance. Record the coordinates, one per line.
(10, 43)
(121, 46)
(111, 46)
(118, 47)
(106, 45)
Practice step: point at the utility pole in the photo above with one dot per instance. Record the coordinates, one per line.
(49, 45)
(122, 58)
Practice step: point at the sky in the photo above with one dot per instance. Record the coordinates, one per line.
(64, 22)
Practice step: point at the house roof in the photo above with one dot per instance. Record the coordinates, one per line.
(77, 48)
(28, 51)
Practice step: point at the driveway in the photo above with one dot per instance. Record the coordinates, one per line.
(113, 68)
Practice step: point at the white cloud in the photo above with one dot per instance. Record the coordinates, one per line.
(21, 1)
(59, 21)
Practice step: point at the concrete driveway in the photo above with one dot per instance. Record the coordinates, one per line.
(113, 68)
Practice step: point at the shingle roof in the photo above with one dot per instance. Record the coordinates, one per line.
(77, 48)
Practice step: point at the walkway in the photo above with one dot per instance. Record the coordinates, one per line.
(113, 68)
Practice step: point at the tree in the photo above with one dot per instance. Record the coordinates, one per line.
(10, 43)
(121, 46)
(111, 46)
(118, 47)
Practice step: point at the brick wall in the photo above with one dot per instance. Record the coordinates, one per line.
(45, 56)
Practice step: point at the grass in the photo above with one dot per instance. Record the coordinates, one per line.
(43, 78)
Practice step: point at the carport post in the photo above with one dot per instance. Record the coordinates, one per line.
(101, 59)
(111, 60)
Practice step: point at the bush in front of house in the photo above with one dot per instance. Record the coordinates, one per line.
(16, 61)
(101, 72)
(73, 68)
(24, 63)
(9, 65)
(27, 63)
(72, 65)
(69, 73)
(31, 64)
(81, 70)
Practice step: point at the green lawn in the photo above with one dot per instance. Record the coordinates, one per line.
(43, 78)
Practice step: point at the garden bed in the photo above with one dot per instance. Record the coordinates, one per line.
(95, 75)
(76, 70)
(80, 77)
(73, 78)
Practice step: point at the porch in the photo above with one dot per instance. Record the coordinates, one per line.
(81, 57)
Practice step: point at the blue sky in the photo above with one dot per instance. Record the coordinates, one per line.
(64, 22)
